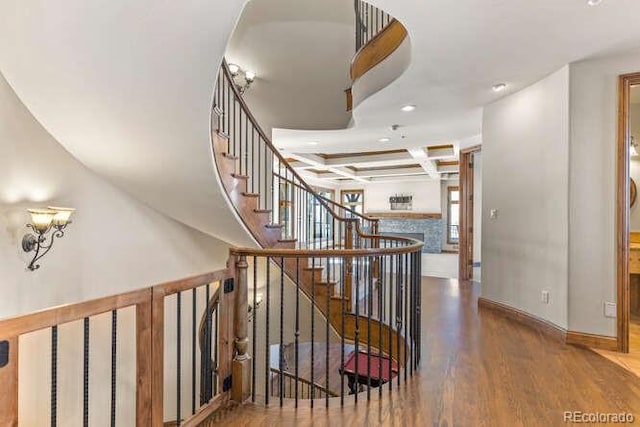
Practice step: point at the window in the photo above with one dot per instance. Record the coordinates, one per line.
(453, 214)
(353, 199)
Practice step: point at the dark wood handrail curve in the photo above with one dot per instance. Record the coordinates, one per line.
(267, 140)
(411, 245)
(377, 49)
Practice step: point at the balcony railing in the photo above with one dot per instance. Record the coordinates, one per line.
(369, 21)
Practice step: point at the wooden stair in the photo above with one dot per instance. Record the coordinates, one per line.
(312, 279)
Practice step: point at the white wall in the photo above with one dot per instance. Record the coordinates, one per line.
(592, 203)
(426, 194)
(114, 244)
(526, 139)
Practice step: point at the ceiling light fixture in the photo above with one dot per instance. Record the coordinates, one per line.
(594, 2)
(241, 78)
(408, 108)
(499, 87)
(313, 142)
(384, 139)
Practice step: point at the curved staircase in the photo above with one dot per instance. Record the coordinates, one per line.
(260, 184)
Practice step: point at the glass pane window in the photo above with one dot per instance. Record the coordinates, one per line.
(453, 215)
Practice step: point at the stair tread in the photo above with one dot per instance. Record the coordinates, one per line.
(244, 193)
(287, 240)
(326, 283)
(222, 134)
(238, 176)
(230, 156)
(317, 267)
(218, 111)
(262, 210)
(274, 225)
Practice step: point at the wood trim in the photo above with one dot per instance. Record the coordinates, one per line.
(205, 411)
(360, 154)
(173, 287)
(550, 329)
(407, 215)
(377, 49)
(144, 365)
(9, 381)
(449, 251)
(471, 149)
(593, 341)
(49, 317)
(439, 147)
(530, 320)
(383, 168)
(622, 210)
(349, 96)
(465, 224)
(156, 348)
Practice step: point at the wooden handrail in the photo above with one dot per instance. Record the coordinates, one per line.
(377, 49)
(269, 144)
(149, 326)
(49, 317)
(329, 201)
(304, 381)
(412, 245)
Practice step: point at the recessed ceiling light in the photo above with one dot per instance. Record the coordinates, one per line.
(313, 142)
(408, 108)
(594, 2)
(499, 87)
(384, 139)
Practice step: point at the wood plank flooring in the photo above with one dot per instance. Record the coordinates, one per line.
(477, 369)
(631, 360)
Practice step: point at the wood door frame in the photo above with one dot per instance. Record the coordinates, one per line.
(625, 82)
(465, 238)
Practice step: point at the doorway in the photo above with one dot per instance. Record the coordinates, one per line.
(470, 223)
(628, 216)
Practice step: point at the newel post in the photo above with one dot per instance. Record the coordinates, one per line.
(348, 280)
(375, 230)
(241, 366)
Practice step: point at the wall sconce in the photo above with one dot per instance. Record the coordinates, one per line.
(241, 78)
(633, 147)
(43, 221)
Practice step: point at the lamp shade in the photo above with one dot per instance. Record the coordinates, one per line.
(234, 69)
(41, 219)
(62, 215)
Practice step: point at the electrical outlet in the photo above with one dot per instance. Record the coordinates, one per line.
(493, 213)
(544, 298)
(610, 309)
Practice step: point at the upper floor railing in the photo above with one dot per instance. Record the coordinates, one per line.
(303, 216)
(369, 21)
(127, 359)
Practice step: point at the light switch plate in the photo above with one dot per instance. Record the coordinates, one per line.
(493, 213)
(610, 309)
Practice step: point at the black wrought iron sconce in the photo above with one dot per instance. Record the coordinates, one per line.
(241, 78)
(52, 219)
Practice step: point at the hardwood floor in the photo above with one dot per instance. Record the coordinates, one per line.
(477, 369)
(631, 360)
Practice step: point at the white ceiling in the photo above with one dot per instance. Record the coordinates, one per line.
(300, 51)
(126, 86)
(459, 50)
